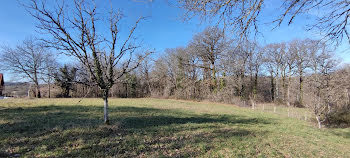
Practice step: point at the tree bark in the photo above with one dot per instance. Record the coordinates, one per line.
(288, 90)
(319, 121)
(105, 107)
(276, 85)
(255, 90)
(242, 91)
(272, 88)
(38, 94)
(284, 86)
(29, 89)
(301, 88)
(214, 77)
(49, 89)
(253, 103)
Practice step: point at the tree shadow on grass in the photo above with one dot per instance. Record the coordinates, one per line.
(344, 134)
(69, 131)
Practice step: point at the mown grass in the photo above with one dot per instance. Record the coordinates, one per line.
(158, 128)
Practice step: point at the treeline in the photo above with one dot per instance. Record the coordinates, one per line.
(299, 73)
(213, 66)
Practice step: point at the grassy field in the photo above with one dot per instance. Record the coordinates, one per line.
(158, 128)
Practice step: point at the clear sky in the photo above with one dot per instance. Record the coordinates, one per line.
(163, 29)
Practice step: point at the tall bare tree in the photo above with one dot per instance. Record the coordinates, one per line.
(325, 90)
(28, 59)
(145, 70)
(274, 58)
(255, 62)
(302, 50)
(290, 61)
(210, 44)
(79, 30)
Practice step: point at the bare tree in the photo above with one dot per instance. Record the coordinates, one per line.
(74, 29)
(191, 61)
(323, 64)
(160, 77)
(145, 70)
(243, 15)
(237, 60)
(290, 61)
(274, 58)
(271, 71)
(333, 22)
(284, 69)
(245, 53)
(302, 50)
(28, 59)
(255, 62)
(48, 73)
(209, 45)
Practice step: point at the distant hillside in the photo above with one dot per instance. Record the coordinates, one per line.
(15, 83)
(16, 89)
(20, 89)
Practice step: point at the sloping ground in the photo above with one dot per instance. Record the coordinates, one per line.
(158, 128)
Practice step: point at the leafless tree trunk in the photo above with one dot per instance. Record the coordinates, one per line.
(29, 89)
(301, 92)
(272, 87)
(105, 106)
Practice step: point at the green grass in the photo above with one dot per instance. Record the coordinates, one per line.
(282, 110)
(158, 128)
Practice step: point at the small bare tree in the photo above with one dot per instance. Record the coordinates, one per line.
(80, 31)
(323, 65)
(28, 59)
(48, 73)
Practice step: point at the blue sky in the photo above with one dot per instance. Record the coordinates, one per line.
(162, 29)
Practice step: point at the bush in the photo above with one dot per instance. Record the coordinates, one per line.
(340, 118)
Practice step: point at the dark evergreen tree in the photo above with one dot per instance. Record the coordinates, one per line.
(65, 78)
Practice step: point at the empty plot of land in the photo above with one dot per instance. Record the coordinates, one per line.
(158, 128)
